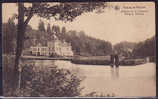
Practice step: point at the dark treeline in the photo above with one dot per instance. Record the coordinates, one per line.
(81, 43)
(146, 48)
(125, 48)
(9, 36)
(87, 46)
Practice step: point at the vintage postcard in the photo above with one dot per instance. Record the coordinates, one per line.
(79, 49)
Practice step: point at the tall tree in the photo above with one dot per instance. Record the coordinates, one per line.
(41, 26)
(63, 30)
(56, 29)
(20, 42)
(64, 11)
(125, 48)
(49, 32)
(145, 48)
(48, 29)
(63, 33)
(9, 35)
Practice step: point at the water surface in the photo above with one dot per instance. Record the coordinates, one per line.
(131, 81)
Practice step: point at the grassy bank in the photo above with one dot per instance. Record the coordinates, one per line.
(105, 60)
(132, 62)
(94, 60)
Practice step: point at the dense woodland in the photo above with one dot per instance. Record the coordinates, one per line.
(9, 30)
(125, 48)
(138, 50)
(81, 43)
(145, 48)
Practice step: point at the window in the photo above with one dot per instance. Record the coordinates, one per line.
(34, 49)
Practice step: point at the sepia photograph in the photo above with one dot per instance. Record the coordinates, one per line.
(79, 49)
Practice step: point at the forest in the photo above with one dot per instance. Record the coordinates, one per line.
(82, 44)
(146, 48)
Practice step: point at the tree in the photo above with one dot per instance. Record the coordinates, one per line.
(145, 48)
(89, 46)
(49, 29)
(63, 30)
(19, 42)
(49, 32)
(9, 35)
(63, 33)
(60, 11)
(56, 29)
(125, 48)
(36, 82)
(41, 26)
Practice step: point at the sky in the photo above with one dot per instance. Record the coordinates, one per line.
(111, 25)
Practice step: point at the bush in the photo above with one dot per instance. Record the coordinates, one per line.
(50, 83)
(36, 82)
(8, 74)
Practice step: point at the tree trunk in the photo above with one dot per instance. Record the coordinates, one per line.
(19, 42)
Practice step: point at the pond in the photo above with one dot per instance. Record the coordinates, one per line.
(127, 81)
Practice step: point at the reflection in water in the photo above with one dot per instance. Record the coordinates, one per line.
(117, 72)
(114, 72)
(131, 80)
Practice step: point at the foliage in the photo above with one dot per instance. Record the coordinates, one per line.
(63, 30)
(89, 46)
(9, 30)
(52, 82)
(41, 26)
(145, 48)
(8, 74)
(65, 11)
(49, 29)
(29, 37)
(55, 29)
(125, 48)
(59, 11)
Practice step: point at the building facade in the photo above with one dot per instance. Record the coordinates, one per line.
(54, 48)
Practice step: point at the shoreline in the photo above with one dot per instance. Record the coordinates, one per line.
(93, 60)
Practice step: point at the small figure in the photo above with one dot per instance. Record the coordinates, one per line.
(114, 63)
(112, 59)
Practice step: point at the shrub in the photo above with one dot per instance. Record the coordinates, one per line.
(8, 74)
(37, 82)
(49, 83)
